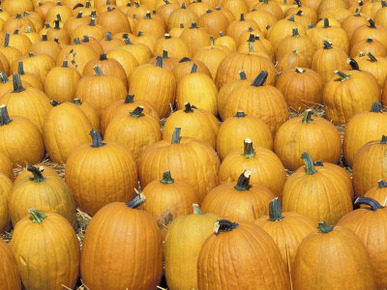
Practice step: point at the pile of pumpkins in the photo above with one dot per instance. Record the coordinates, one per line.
(190, 102)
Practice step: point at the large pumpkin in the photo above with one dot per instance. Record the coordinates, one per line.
(33, 247)
(122, 249)
(255, 263)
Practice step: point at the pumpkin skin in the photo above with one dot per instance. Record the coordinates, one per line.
(15, 133)
(368, 223)
(363, 128)
(6, 166)
(287, 229)
(234, 130)
(182, 156)
(339, 246)
(240, 202)
(317, 136)
(378, 192)
(255, 263)
(128, 256)
(47, 192)
(66, 127)
(135, 130)
(266, 168)
(9, 274)
(5, 192)
(369, 165)
(90, 112)
(89, 175)
(319, 192)
(184, 239)
(32, 248)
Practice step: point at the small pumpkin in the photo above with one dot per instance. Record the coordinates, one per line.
(378, 192)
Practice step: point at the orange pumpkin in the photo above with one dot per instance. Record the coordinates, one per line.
(5, 192)
(9, 274)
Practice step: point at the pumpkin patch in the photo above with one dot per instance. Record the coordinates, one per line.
(227, 104)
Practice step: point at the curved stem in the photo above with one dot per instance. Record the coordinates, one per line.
(248, 149)
(260, 79)
(243, 182)
(275, 210)
(309, 166)
(167, 179)
(353, 63)
(137, 112)
(138, 200)
(4, 117)
(54, 103)
(176, 136)
(307, 116)
(300, 70)
(324, 228)
(372, 203)
(36, 216)
(96, 138)
(38, 176)
(222, 226)
(184, 59)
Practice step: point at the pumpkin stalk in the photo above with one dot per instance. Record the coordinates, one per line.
(327, 44)
(159, 61)
(242, 75)
(103, 56)
(243, 182)
(77, 101)
(376, 107)
(372, 203)
(384, 139)
(36, 216)
(137, 112)
(275, 210)
(248, 149)
(372, 58)
(222, 226)
(295, 32)
(96, 138)
(188, 108)
(3, 78)
(98, 71)
(307, 117)
(194, 68)
(165, 54)
(309, 166)
(240, 114)
(382, 183)
(342, 76)
(167, 179)
(260, 79)
(37, 172)
(353, 63)
(324, 228)
(300, 70)
(4, 117)
(65, 63)
(176, 136)
(17, 85)
(138, 200)
(196, 209)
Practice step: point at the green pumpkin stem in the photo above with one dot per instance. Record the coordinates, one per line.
(307, 116)
(184, 59)
(17, 85)
(384, 139)
(260, 79)
(138, 200)
(240, 114)
(353, 63)
(295, 32)
(243, 182)
(371, 22)
(167, 179)
(77, 101)
(372, 58)
(137, 112)
(342, 76)
(309, 166)
(44, 37)
(326, 23)
(194, 25)
(36, 216)
(96, 139)
(77, 40)
(103, 56)
(382, 183)
(188, 108)
(298, 2)
(176, 136)
(324, 228)
(248, 149)
(372, 203)
(3, 78)
(327, 44)
(196, 208)
(165, 54)
(6, 40)
(318, 163)
(242, 17)
(98, 71)
(65, 63)
(20, 68)
(376, 107)
(194, 68)
(54, 103)
(242, 75)
(79, 15)
(222, 226)
(56, 27)
(92, 22)
(275, 210)
(159, 61)
(300, 70)
(4, 117)
(37, 172)
(129, 99)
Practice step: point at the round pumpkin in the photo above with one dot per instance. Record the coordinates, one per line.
(6, 166)
(378, 192)
(5, 192)
(9, 274)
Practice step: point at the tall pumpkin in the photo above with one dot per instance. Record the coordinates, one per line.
(100, 173)
(184, 239)
(33, 247)
(125, 256)
(255, 263)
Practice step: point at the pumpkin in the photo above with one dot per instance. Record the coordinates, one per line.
(150, 25)
(182, 16)
(287, 229)
(369, 165)
(9, 274)
(10, 52)
(184, 239)
(338, 246)
(234, 130)
(135, 130)
(371, 30)
(182, 156)
(100, 173)
(49, 47)
(100, 90)
(42, 168)
(352, 92)
(375, 66)
(291, 60)
(154, 84)
(368, 45)
(15, 133)
(317, 136)
(58, 33)
(169, 63)
(239, 25)
(211, 56)
(361, 129)
(320, 192)
(378, 192)
(65, 128)
(256, 262)
(124, 256)
(91, 30)
(20, 41)
(184, 67)
(47, 192)
(214, 21)
(109, 43)
(352, 22)
(5, 192)
(6, 166)
(32, 248)
(265, 167)
(125, 58)
(237, 7)
(113, 20)
(30, 78)
(301, 88)
(140, 51)
(258, 99)
(367, 223)
(19, 6)
(93, 43)
(74, 21)
(90, 113)
(240, 202)
(175, 46)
